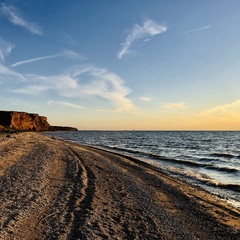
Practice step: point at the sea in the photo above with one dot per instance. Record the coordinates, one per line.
(207, 159)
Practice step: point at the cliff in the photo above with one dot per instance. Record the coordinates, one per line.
(22, 121)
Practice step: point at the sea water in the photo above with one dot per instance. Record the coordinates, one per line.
(209, 159)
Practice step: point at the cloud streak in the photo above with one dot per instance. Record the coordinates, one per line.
(198, 29)
(174, 106)
(146, 31)
(15, 16)
(66, 104)
(34, 60)
(145, 99)
(7, 76)
(66, 53)
(5, 49)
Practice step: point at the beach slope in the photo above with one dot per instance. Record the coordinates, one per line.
(53, 189)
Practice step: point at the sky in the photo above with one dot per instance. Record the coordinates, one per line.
(123, 65)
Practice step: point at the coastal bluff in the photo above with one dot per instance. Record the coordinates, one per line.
(23, 121)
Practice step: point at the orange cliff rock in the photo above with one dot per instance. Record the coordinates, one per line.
(22, 121)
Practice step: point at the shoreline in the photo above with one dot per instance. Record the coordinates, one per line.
(63, 190)
(158, 167)
(188, 188)
(215, 170)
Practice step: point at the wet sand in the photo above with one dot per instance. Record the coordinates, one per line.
(53, 189)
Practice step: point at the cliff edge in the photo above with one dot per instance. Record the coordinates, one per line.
(22, 121)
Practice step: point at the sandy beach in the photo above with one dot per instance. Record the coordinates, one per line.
(53, 189)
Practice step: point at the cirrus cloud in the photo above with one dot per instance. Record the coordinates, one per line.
(33, 60)
(65, 53)
(145, 32)
(198, 29)
(8, 77)
(66, 104)
(15, 16)
(5, 49)
(80, 82)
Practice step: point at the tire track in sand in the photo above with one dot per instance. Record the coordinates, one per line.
(80, 195)
(46, 193)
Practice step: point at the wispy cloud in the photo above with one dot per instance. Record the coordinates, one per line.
(72, 55)
(34, 60)
(145, 99)
(80, 82)
(174, 106)
(66, 104)
(198, 29)
(66, 53)
(15, 16)
(145, 32)
(104, 84)
(5, 49)
(7, 76)
(226, 110)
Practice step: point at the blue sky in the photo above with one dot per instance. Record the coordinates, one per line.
(130, 64)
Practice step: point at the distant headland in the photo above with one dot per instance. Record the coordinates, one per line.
(23, 121)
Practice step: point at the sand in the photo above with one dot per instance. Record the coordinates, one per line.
(53, 189)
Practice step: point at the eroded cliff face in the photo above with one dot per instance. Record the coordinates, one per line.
(23, 121)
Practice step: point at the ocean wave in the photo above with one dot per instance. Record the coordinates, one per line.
(225, 155)
(125, 150)
(205, 179)
(222, 169)
(233, 187)
(163, 158)
(176, 161)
